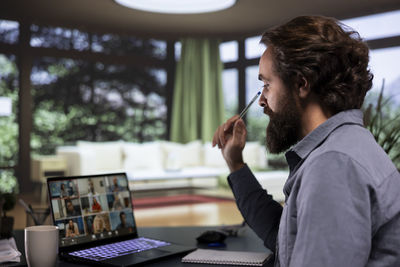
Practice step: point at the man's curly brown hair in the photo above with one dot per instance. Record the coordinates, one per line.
(329, 55)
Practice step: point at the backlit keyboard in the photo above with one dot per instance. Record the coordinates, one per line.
(119, 249)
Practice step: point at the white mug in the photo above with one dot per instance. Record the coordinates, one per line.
(41, 245)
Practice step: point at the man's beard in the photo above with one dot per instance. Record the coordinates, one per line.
(284, 126)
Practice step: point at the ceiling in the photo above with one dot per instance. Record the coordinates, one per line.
(245, 18)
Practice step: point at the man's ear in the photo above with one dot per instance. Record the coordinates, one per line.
(303, 87)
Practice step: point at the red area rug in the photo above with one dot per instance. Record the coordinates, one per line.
(164, 201)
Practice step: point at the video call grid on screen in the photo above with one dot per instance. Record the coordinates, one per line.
(91, 208)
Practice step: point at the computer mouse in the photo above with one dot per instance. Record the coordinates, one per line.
(211, 236)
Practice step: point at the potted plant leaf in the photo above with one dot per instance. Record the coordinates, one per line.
(8, 195)
(382, 118)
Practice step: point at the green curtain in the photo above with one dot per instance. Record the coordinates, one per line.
(198, 106)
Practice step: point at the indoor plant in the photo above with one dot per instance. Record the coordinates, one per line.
(382, 118)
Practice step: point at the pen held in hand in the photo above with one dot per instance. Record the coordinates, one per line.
(244, 110)
(249, 105)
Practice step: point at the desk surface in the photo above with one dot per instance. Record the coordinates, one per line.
(246, 241)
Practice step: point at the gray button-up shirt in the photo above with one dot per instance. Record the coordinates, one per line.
(342, 203)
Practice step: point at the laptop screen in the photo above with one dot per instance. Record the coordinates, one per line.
(90, 208)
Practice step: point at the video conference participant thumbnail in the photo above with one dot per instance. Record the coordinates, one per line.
(118, 201)
(94, 204)
(73, 207)
(72, 227)
(64, 189)
(63, 208)
(92, 186)
(116, 184)
(121, 220)
(99, 223)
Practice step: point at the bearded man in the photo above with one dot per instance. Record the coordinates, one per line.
(342, 206)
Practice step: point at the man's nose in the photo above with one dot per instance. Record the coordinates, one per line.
(262, 101)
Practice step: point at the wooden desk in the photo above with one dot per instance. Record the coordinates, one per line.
(247, 241)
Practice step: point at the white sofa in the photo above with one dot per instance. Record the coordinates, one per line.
(158, 157)
(163, 160)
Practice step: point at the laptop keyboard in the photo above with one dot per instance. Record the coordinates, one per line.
(119, 249)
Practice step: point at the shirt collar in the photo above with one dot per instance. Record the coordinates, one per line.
(305, 146)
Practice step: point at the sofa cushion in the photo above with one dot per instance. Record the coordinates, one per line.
(142, 156)
(179, 156)
(213, 156)
(254, 154)
(107, 155)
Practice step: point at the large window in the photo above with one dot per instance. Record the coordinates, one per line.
(61, 38)
(9, 32)
(384, 65)
(230, 87)
(90, 98)
(80, 100)
(8, 114)
(229, 51)
(384, 61)
(376, 26)
(253, 48)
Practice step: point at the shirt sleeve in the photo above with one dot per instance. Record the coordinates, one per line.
(333, 214)
(259, 210)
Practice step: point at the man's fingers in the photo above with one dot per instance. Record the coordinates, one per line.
(240, 132)
(229, 123)
(215, 137)
(219, 137)
(216, 140)
(224, 132)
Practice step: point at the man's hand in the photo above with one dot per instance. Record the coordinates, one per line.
(231, 139)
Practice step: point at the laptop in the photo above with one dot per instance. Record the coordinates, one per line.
(97, 224)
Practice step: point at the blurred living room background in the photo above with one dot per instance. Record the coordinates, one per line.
(94, 89)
